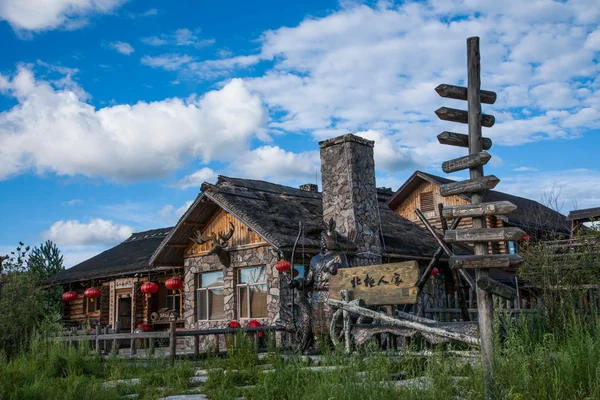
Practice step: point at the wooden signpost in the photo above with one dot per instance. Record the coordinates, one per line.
(393, 283)
(478, 210)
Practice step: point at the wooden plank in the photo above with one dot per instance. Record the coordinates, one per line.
(461, 116)
(460, 93)
(461, 140)
(494, 287)
(470, 161)
(178, 245)
(194, 224)
(354, 308)
(472, 185)
(384, 284)
(483, 235)
(486, 261)
(172, 342)
(479, 210)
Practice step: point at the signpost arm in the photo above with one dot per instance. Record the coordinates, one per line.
(484, 299)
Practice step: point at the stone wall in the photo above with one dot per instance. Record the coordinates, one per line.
(350, 193)
(265, 255)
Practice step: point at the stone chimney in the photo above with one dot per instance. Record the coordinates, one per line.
(350, 194)
(309, 187)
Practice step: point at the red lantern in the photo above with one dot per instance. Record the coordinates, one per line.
(234, 325)
(435, 271)
(144, 327)
(283, 266)
(255, 324)
(174, 284)
(148, 288)
(92, 293)
(525, 238)
(69, 296)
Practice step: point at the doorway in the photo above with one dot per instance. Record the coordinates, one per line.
(124, 314)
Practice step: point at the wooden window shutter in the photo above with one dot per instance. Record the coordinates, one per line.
(426, 200)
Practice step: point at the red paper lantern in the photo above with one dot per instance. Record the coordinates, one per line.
(255, 324)
(144, 327)
(234, 325)
(69, 296)
(283, 266)
(148, 288)
(525, 238)
(174, 284)
(92, 293)
(435, 271)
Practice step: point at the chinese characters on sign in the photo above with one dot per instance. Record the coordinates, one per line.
(369, 281)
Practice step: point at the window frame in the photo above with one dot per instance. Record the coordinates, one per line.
(423, 200)
(247, 287)
(96, 304)
(204, 290)
(176, 298)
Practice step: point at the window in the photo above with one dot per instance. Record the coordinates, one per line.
(93, 305)
(210, 303)
(252, 292)
(426, 200)
(174, 301)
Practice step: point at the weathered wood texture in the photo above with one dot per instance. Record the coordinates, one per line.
(460, 93)
(483, 235)
(461, 140)
(353, 308)
(470, 161)
(385, 284)
(219, 223)
(473, 185)
(479, 210)
(494, 287)
(486, 261)
(454, 115)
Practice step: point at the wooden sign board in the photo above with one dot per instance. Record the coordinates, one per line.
(383, 284)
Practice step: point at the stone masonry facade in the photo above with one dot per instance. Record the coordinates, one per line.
(350, 193)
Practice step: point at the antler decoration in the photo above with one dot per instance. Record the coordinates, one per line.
(219, 244)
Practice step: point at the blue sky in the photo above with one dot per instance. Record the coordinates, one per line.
(113, 113)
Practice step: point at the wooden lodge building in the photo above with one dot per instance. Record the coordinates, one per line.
(226, 245)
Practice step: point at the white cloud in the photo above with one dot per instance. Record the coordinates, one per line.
(169, 62)
(95, 232)
(525, 169)
(122, 47)
(197, 178)
(180, 37)
(275, 163)
(171, 215)
(40, 15)
(74, 202)
(55, 130)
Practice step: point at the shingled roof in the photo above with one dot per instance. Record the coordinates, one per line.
(586, 214)
(529, 213)
(132, 255)
(273, 212)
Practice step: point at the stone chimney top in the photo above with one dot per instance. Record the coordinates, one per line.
(309, 187)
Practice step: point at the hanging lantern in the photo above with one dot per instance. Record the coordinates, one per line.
(435, 271)
(234, 325)
(174, 284)
(283, 266)
(525, 238)
(255, 324)
(144, 327)
(69, 296)
(148, 288)
(92, 293)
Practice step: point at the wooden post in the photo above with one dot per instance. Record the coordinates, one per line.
(115, 348)
(172, 342)
(484, 299)
(98, 327)
(104, 332)
(151, 346)
(346, 319)
(196, 346)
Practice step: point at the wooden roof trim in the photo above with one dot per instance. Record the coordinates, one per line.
(400, 194)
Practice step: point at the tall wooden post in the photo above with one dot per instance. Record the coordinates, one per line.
(172, 342)
(485, 308)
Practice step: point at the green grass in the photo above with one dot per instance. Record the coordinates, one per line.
(531, 363)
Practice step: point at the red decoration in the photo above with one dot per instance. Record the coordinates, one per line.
(525, 238)
(283, 266)
(435, 271)
(69, 296)
(295, 273)
(174, 284)
(144, 327)
(255, 324)
(92, 293)
(234, 325)
(148, 288)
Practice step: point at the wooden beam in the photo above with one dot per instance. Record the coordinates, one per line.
(461, 140)
(177, 245)
(470, 161)
(476, 184)
(483, 235)
(169, 265)
(485, 261)
(479, 210)
(460, 93)
(194, 224)
(494, 287)
(461, 116)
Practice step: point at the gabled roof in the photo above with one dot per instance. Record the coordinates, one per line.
(586, 214)
(132, 255)
(273, 212)
(529, 213)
